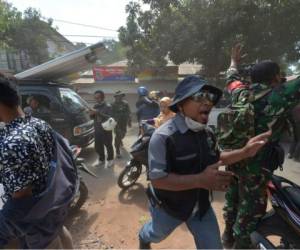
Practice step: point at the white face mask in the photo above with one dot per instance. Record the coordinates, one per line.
(193, 125)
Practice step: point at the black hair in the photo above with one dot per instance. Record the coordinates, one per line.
(99, 92)
(264, 72)
(8, 93)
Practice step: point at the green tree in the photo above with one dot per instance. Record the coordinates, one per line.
(30, 36)
(115, 52)
(25, 33)
(203, 31)
(9, 17)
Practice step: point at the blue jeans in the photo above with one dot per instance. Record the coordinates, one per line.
(205, 230)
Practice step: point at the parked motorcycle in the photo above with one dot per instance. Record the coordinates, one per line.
(139, 154)
(82, 190)
(283, 220)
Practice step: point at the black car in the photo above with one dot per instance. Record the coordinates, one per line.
(62, 108)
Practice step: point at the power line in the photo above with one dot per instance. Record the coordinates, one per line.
(91, 36)
(84, 25)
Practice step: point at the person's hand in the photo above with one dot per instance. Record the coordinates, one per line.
(256, 143)
(214, 179)
(92, 112)
(236, 53)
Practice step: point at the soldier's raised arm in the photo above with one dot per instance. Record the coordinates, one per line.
(232, 73)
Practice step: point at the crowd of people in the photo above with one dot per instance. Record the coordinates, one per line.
(185, 157)
(151, 108)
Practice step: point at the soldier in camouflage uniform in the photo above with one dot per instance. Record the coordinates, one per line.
(266, 103)
(122, 115)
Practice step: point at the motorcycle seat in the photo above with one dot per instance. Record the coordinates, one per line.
(294, 195)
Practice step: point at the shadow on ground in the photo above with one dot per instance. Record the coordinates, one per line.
(134, 195)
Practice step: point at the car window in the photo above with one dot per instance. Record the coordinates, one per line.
(71, 101)
(43, 103)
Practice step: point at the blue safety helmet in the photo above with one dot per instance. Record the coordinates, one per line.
(142, 91)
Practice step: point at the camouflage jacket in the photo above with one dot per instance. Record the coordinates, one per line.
(121, 112)
(271, 108)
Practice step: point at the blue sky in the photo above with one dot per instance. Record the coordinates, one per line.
(104, 13)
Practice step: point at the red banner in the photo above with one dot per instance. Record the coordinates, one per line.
(102, 74)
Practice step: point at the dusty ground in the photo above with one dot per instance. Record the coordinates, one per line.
(111, 218)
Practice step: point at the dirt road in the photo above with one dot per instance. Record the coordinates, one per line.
(112, 218)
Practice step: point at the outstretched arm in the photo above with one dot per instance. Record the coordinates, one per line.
(250, 150)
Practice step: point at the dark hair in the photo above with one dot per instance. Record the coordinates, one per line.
(8, 93)
(264, 72)
(99, 92)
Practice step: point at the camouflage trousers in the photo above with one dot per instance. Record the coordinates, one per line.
(246, 203)
(120, 132)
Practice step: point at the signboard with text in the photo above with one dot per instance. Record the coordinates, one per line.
(104, 74)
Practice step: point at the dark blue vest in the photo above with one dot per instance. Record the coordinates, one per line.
(188, 153)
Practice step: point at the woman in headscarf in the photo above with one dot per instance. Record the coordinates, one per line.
(165, 112)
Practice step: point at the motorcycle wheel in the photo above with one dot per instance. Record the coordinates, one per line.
(80, 198)
(129, 175)
(275, 226)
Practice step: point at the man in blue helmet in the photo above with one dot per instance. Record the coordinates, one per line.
(184, 161)
(146, 108)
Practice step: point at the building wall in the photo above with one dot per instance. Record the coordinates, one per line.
(11, 61)
(58, 45)
(3, 60)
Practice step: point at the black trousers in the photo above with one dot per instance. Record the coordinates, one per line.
(104, 139)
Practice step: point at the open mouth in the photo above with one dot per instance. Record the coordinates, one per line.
(204, 114)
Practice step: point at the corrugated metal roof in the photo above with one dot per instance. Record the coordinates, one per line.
(65, 65)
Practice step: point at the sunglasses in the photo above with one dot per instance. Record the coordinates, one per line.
(204, 96)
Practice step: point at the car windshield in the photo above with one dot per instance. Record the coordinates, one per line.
(71, 101)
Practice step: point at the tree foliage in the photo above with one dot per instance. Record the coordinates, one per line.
(30, 36)
(114, 52)
(24, 32)
(203, 31)
(9, 18)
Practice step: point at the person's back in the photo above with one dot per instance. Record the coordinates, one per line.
(271, 102)
(122, 115)
(27, 140)
(37, 175)
(273, 109)
(147, 109)
(121, 111)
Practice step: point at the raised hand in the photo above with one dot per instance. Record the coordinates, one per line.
(236, 53)
(256, 143)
